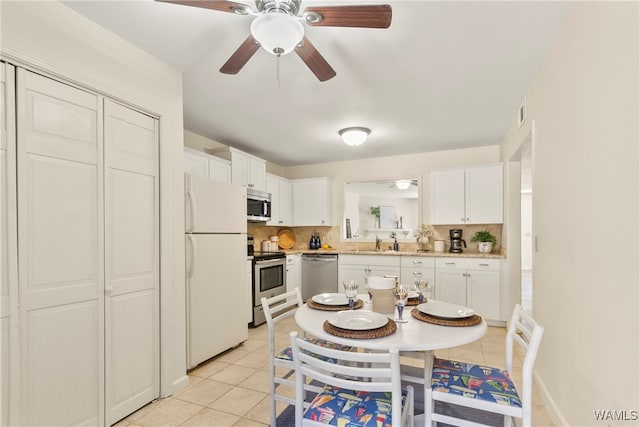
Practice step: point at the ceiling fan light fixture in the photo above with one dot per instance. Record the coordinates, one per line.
(278, 33)
(354, 135)
(403, 184)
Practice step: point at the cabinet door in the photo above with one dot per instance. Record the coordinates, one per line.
(312, 202)
(447, 196)
(451, 286)
(132, 339)
(239, 168)
(352, 272)
(196, 164)
(60, 253)
(286, 202)
(273, 187)
(293, 271)
(483, 190)
(219, 170)
(257, 174)
(483, 293)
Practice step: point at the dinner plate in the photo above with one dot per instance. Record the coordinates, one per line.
(358, 320)
(445, 310)
(330, 299)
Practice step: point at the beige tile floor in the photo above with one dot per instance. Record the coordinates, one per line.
(232, 389)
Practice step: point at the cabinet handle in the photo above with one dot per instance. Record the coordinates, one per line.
(484, 265)
(462, 219)
(280, 222)
(467, 219)
(323, 221)
(449, 263)
(417, 273)
(417, 262)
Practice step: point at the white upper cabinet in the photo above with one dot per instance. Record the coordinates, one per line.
(202, 164)
(248, 170)
(472, 195)
(312, 201)
(281, 191)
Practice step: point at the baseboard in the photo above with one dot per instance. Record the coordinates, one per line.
(177, 385)
(553, 410)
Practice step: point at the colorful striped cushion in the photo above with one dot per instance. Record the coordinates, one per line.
(474, 381)
(347, 408)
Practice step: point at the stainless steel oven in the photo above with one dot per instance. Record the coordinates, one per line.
(269, 279)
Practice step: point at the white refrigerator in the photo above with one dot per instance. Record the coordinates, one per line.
(216, 259)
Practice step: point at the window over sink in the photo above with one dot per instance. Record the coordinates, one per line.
(381, 208)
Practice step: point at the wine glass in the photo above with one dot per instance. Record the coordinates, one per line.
(351, 291)
(421, 285)
(401, 297)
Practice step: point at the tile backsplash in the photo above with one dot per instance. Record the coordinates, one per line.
(331, 236)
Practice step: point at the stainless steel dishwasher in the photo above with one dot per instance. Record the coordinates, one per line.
(319, 274)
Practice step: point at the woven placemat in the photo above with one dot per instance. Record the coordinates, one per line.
(466, 321)
(414, 301)
(317, 306)
(380, 332)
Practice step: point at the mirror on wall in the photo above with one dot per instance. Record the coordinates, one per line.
(380, 208)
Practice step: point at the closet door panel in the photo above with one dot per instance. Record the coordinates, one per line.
(62, 120)
(132, 257)
(62, 231)
(63, 350)
(60, 250)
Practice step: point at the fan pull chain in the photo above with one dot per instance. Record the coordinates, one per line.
(278, 70)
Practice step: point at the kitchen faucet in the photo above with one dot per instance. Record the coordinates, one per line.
(378, 241)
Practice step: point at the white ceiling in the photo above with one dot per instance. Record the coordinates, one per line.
(445, 75)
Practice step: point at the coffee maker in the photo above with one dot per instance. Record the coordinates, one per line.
(455, 236)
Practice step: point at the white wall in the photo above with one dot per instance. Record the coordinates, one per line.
(585, 212)
(53, 39)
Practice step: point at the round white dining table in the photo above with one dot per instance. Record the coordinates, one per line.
(414, 335)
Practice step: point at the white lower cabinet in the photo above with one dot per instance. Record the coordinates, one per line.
(87, 325)
(472, 282)
(418, 268)
(293, 271)
(354, 267)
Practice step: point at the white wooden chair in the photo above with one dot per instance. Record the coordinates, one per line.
(358, 387)
(277, 309)
(487, 388)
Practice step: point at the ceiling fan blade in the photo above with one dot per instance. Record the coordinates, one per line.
(316, 62)
(362, 16)
(219, 5)
(241, 56)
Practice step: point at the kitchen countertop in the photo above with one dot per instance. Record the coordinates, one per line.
(394, 253)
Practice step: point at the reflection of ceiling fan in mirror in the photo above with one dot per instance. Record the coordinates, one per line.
(278, 28)
(400, 184)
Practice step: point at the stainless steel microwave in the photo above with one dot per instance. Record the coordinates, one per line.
(258, 206)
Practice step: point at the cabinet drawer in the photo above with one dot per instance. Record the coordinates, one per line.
(417, 262)
(468, 264)
(370, 260)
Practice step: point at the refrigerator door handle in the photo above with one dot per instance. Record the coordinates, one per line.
(192, 243)
(191, 204)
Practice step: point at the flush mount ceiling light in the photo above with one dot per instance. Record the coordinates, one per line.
(278, 33)
(355, 135)
(403, 184)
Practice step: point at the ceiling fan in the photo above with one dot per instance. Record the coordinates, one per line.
(400, 184)
(278, 28)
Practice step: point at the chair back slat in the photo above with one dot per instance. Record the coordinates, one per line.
(371, 372)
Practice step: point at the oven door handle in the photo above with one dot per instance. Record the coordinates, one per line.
(279, 261)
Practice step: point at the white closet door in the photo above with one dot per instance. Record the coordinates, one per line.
(132, 258)
(60, 250)
(8, 235)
